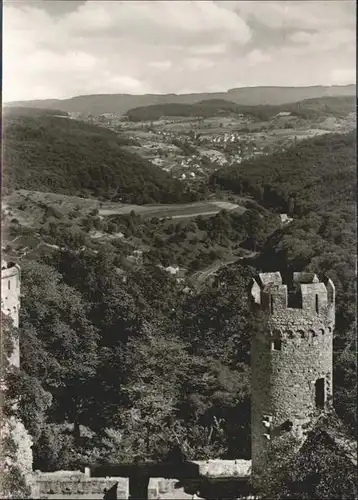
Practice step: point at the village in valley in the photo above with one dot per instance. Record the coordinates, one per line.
(192, 148)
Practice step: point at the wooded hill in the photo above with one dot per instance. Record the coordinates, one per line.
(60, 155)
(309, 108)
(314, 174)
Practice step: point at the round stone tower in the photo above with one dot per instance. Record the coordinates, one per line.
(10, 300)
(291, 357)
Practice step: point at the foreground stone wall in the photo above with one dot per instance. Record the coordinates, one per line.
(168, 489)
(74, 485)
(210, 474)
(211, 488)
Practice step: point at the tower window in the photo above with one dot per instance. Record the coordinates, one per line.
(314, 338)
(320, 393)
(276, 345)
(317, 304)
(287, 425)
(271, 304)
(8, 284)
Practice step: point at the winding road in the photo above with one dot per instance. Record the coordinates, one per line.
(201, 276)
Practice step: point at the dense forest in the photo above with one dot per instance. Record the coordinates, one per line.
(308, 108)
(66, 156)
(115, 369)
(126, 364)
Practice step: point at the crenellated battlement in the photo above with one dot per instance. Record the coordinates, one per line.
(9, 270)
(311, 335)
(303, 293)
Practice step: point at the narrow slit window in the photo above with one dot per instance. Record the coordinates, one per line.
(320, 393)
(276, 345)
(317, 304)
(8, 284)
(271, 304)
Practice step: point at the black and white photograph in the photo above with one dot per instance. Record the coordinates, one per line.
(178, 250)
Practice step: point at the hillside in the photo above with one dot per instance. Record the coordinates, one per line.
(66, 156)
(11, 112)
(309, 108)
(316, 173)
(249, 96)
(336, 105)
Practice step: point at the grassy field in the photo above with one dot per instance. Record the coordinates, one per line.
(28, 207)
(175, 211)
(29, 216)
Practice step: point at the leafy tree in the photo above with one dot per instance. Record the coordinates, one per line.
(54, 314)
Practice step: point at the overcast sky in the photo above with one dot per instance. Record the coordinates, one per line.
(59, 49)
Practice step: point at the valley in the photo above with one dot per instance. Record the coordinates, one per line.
(192, 147)
(185, 155)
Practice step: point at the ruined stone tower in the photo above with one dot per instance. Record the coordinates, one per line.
(10, 306)
(291, 357)
(10, 300)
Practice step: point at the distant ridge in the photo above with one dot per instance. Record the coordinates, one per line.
(250, 96)
(337, 106)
